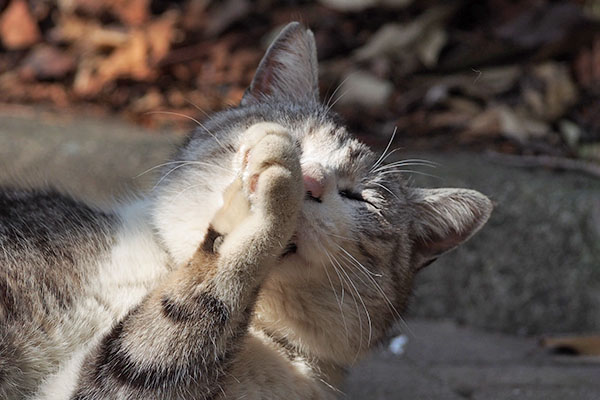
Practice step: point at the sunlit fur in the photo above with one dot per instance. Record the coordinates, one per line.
(295, 324)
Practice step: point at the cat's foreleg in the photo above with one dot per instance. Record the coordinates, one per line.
(178, 342)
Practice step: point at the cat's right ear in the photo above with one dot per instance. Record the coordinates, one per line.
(289, 69)
(444, 218)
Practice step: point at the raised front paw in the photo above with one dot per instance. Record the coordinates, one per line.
(271, 175)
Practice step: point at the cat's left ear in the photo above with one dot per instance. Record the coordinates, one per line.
(444, 219)
(289, 69)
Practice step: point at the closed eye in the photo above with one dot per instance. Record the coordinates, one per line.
(351, 195)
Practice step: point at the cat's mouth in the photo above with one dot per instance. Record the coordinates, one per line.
(290, 249)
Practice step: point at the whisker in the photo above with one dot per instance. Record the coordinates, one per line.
(362, 266)
(339, 236)
(186, 189)
(364, 269)
(338, 99)
(399, 166)
(386, 149)
(359, 297)
(391, 152)
(360, 339)
(386, 189)
(413, 160)
(410, 171)
(181, 162)
(192, 119)
(335, 91)
(196, 106)
(409, 162)
(162, 178)
(339, 302)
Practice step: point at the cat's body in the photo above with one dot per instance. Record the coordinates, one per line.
(275, 252)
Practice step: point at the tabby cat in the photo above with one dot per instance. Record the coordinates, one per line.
(275, 251)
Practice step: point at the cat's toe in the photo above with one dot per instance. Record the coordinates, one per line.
(271, 167)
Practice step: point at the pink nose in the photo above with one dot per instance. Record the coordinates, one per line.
(315, 180)
(314, 187)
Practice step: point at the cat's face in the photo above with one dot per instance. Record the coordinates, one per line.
(362, 230)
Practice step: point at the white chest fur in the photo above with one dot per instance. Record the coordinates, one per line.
(133, 267)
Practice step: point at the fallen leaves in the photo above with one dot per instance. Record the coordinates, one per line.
(418, 41)
(135, 58)
(18, 28)
(575, 345)
(517, 76)
(46, 63)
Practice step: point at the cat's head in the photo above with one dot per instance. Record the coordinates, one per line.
(363, 232)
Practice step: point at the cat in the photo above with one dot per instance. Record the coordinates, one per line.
(275, 251)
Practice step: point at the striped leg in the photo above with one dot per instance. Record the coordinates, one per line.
(179, 341)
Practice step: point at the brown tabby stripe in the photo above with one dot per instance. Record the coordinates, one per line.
(8, 304)
(209, 241)
(288, 348)
(372, 260)
(202, 306)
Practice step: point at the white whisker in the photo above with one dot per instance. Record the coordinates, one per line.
(186, 189)
(386, 189)
(360, 339)
(408, 171)
(181, 162)
(339, 302)
(410, 161)
(385, 151)
(196, 106)
(192, 119)
(359, 297)
(364, 270)
(338, 99)
(335, 91)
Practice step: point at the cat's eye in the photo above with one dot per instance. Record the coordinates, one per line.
(348, 194)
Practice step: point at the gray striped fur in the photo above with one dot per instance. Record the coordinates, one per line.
(228, 281)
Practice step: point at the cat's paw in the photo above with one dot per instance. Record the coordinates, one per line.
(270, 171)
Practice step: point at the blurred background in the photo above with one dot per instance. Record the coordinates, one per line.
(502, 94)
(511, 76)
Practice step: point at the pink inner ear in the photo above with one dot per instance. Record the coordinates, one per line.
(446, 218)
(434, 246)
(265, 81)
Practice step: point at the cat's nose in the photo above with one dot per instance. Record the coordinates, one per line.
(314, 177)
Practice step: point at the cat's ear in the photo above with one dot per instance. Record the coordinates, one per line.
(444, 218)
(289, 69)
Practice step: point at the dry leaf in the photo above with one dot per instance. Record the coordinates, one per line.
(545, 24)
(46, 62)
(363, 88)
(559, 92)
(18, 28)
(131, 12)
(359, 5)
(88, 34)
(225, 14)
(136, 59)
(430, 46)
(587, 65)
(503, 120)
(151, 101)
(421, 39)
(581, 345)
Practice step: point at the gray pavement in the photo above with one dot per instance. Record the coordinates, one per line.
(535, 268)
(445, 361)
